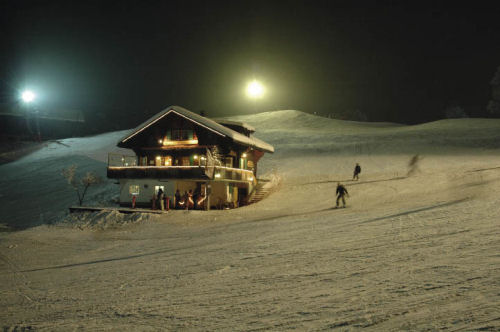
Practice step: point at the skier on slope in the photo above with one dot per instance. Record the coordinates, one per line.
(341, 193)
(357, 170)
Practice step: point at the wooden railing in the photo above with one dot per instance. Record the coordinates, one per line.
(126, 167)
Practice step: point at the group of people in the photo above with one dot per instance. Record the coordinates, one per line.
(187, 201)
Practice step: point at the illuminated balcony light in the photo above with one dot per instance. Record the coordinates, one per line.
(158, 157)
(186, 142)
(195, 157)
(217, 175)
(244, 155)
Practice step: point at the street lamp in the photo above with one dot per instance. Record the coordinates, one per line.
(255, 89)
(29, 97)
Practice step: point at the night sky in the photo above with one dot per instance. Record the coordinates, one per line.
(127, 60)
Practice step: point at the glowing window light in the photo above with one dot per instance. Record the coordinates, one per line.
(189, 141)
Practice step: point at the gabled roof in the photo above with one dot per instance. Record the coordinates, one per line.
(204, 122)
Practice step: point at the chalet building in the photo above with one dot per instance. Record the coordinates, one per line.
(178, 150)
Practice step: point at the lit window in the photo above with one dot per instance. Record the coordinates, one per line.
(133, 189)
(158, 188)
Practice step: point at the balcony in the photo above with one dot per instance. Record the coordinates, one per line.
(122, 167)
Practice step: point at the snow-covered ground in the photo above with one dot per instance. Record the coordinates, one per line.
(409, 253)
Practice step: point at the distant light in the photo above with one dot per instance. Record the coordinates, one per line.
(244, 155)
(158, 157)
(28, 96)
(160, 141)
(217, 175)
(255, 89)
(195, 157)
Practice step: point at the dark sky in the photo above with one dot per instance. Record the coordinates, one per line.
(130, 59)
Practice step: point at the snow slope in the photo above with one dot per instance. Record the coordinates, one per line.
(409, 253)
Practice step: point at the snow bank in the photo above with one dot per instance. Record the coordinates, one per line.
(105, 219)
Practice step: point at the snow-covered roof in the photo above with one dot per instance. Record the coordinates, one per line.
(243, 125)
(207, 123)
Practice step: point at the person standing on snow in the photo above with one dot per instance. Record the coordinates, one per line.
(341, 193)
(160, 199)
(177, 199)
(357, 170)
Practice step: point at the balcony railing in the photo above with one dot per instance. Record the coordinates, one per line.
(127, 167)
(121, 160)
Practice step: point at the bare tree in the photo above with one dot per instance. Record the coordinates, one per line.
(80, 185)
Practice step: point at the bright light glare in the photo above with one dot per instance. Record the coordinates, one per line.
(255, 89)
(28, 96)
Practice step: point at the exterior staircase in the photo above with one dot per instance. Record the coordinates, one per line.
(263, 189)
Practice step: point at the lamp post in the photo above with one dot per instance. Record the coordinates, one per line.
(28, 98)
(255, 90)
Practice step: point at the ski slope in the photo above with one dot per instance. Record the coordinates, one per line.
(411, 253)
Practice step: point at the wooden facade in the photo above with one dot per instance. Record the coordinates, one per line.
(178, 150)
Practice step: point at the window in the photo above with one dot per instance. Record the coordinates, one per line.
(181, 134)
(158, 188)
(133, 189)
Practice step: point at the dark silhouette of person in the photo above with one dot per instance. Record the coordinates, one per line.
(177, 199)
(184, 202)
(341, 193)
(161, 202)
(357, 170)
(413, 165)
(190, 201)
